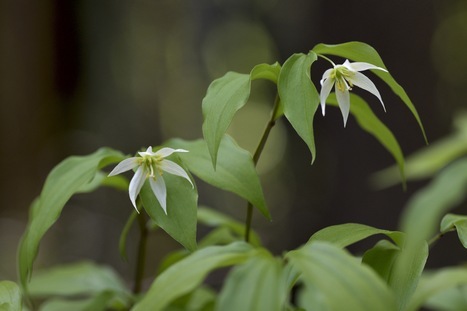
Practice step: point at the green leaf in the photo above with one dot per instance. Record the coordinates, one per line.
(83, 278)
(347, 234)
(381, 258)
(10, 296)
(459, 222)
(187, 274)
(266, 71)
(436, 283)
(182, 202)
(235, 170)
(255, 285)
(452, 299)
(343, 281)
(362, 52)
(369, 122)
(299, 97)
(67, 178)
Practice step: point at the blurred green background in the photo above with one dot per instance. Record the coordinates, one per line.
(77, 75)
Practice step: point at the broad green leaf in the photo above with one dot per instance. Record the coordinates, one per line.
(255, 285)
(425, 209)
(67, 178)
(459, 222)
(347, 234)
(235, 170)
(182, 202)
(369, 122)
(362, 52)
(381, 258)
(10, 296)
(103, 301)
(201, 299)
(309, 298)
(84, 278)
(214, 218)
(224, 97)
(452, 299)
(344, 282)
(299, 97)
(187, 274)
(437, 282)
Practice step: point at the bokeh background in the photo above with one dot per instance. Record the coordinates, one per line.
(78, 75)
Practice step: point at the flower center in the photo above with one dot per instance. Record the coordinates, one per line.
(151, 165)
(341, 75)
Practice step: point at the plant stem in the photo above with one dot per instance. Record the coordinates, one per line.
(256, 156)
(141, 256)
(438, 236)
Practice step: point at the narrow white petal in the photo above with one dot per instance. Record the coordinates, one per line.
(165, 152)
(160, 191)
(135, 185)
(361, 66)
(343, 99)
(148, 152)
(124, 166)
(363, 82)
(175, 169)
(326, 75)
(325, 90)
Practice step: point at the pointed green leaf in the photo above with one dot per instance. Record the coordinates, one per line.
(182, 203)
(299, 97)
(235, 170)
(459, 222)
(67, 178)
(362, 52)
(343, 281)
(381, 258)
(369, 122)
(347, 234)
(187, 274)
(10, 296)
(266, 71)
(255, 285)
(436, 283)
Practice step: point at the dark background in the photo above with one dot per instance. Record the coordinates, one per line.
(78, 75)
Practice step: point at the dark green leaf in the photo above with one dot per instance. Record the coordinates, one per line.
(299, 97)
(235, 170)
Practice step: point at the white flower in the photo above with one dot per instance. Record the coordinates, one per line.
(345, 76)
(151, 165)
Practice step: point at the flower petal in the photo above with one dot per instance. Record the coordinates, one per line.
(361, 66)
(160, 191)
(343, 99)
(326, 75)
(165, 152)
(175, 169)
(148, 152)
(363, 82)
(325, 90)
(135, 185)
(124, 166)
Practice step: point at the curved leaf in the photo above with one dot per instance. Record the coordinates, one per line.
(299, 97)
(10, 296)
(67, 178)
(235, 170)
(458, 222)
(362, 52)
(187, 274)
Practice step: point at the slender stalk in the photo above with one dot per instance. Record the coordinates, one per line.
(141, 255)
(438, 236)
(256, 156)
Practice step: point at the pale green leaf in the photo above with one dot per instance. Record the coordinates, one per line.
(235, 170)
(266, 71)
(362, 52)
(299, 97)
(459, 222)
(381, 258)
(345, 283)
(67, 178)
(452, 299)
(10, 296)
(187, 274)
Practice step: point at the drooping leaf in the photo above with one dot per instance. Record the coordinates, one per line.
(437, 282)
(370, 123)
(67, 178)
(187, 274)
(256, 285)
(299, 97)
(347, 234)
(235, 170)
(344, 282)
(224, 97)
(362, 52)
(457, 222)
(182, 203)
(10, 296)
